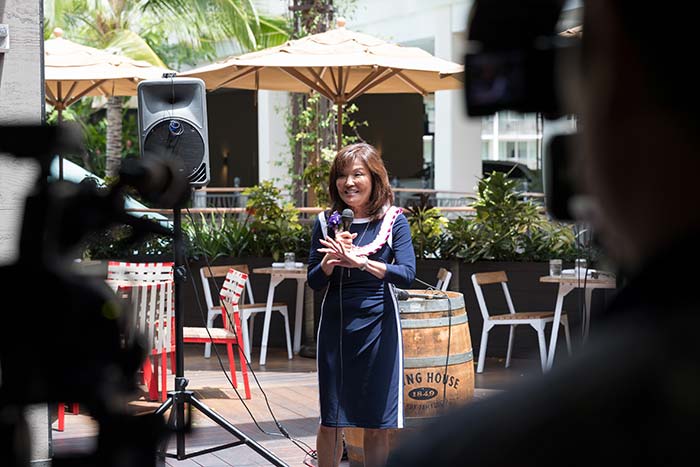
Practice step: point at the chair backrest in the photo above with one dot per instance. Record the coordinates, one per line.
(140, 272)
(443, 277)
(208, 274)
(153, 316)
(486, 278)
(231, 292)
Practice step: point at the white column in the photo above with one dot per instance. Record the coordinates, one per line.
(273, 146)
(457, 137)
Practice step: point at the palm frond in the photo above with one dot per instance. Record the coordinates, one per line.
(132, 45)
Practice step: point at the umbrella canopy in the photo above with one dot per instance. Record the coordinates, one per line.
(72, 71)
(339, 64)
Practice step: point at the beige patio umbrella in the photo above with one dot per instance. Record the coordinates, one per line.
(73, 71)
(339, 64)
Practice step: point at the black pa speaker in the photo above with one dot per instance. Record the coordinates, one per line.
(172, 117)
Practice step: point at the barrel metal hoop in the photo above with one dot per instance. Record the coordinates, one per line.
(431, 304)
(427, 362)
(418, 422)
(433, 322)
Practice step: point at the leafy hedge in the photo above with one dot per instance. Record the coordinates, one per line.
(505, 227)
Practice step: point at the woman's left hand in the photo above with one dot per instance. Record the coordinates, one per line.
(339, 254)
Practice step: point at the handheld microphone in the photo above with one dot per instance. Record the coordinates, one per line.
(402, 294)
(347, 216)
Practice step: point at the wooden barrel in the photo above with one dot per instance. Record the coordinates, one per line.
(354, 439)
(437, 354)
(437, 357)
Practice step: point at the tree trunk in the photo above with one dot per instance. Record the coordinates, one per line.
(114, 137)
(298, 101)
(309, 17)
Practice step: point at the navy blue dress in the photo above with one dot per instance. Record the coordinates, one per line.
(359, 354)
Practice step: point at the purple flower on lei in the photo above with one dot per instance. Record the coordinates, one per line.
(334, 221)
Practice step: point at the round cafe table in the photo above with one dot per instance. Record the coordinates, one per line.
(567, 283)
(277, 275)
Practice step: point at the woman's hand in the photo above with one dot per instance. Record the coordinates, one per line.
(337, 253)
(345, 238)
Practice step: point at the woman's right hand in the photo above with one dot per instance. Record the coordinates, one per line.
(345, 238)
(337, 251)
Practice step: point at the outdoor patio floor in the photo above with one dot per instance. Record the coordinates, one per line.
(292, 392)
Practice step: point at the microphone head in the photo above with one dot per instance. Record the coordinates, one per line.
(347, 217)
(401, 294)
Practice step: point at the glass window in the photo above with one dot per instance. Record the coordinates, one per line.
(485, 150)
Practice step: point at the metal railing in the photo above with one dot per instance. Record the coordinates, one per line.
(232, 201)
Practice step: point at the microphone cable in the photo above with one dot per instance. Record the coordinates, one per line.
(283, 432)
(449, 337)
(340, 357)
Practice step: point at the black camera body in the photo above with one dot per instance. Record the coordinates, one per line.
(67, 342)
(515, 62)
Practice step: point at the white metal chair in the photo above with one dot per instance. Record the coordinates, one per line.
(443, 281)
(127, 274)
(141, 272)
(537, 319)
(247, 310)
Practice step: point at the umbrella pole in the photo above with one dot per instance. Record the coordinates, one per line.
(60, 156)
(340, 126)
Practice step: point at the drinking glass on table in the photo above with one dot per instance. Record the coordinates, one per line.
(555, 267)
(289, 260)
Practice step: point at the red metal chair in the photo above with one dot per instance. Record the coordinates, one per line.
(229, 295)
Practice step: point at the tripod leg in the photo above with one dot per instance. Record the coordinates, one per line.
(223, 423)
(163, 448)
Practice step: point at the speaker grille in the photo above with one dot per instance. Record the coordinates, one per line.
(186, 145)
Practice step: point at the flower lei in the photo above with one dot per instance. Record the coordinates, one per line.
(334, 221)
(383, 235)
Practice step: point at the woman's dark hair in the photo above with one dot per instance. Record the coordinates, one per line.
(381, 195)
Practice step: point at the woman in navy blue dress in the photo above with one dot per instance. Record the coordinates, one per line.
(360, 361)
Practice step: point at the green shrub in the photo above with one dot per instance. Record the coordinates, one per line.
(507, 228)
(427, 228)
(275, 229)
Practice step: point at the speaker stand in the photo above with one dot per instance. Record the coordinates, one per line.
(180, 397)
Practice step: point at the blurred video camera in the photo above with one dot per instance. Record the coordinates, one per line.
(66, 343)
(515, 61)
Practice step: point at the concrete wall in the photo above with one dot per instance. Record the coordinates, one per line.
(21, 102)
(233, 124)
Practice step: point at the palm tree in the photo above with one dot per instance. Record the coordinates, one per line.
(152, 30)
